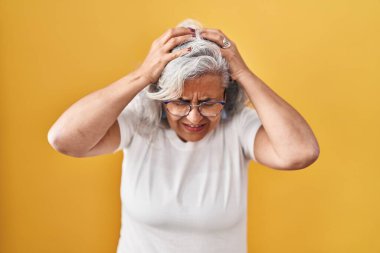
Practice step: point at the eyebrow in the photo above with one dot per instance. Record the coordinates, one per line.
(200, 100)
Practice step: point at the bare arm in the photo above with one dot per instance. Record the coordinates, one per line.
(285, 140)
(89, 127)
(93, 117)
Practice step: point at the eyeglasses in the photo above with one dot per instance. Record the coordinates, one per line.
(207, 109)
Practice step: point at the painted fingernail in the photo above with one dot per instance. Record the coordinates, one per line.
(191, 29)
(188, 50)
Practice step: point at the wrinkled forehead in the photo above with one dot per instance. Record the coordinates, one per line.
(206, 86)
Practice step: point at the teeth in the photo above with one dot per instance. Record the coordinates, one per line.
(194, 125)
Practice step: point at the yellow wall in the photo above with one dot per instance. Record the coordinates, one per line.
(323, 57)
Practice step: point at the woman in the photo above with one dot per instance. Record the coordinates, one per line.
(187, 139)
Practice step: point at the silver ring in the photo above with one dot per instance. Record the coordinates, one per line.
(226, 43)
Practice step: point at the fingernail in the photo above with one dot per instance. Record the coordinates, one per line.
(191, 29)
(187, 51)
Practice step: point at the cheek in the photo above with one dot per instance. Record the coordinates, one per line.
(173, 122)
(214, 122)
(170, 121)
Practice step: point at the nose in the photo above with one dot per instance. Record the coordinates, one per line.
(194, 116)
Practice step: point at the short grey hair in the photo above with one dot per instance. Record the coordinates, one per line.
(204, 58)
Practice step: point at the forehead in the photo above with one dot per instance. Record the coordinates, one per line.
(209, 85)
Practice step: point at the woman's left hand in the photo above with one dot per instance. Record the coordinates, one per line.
(231, 53)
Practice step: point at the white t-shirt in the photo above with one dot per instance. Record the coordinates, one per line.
(188, 197)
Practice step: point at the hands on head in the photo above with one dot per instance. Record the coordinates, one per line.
(160, 53)
(89, 127)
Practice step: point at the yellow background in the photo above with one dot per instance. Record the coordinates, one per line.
(322, 57)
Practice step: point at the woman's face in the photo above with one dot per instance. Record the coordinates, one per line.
(194, 126)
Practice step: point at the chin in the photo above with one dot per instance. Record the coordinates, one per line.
(193, 137)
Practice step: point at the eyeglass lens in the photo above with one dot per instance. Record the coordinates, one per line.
(182, 109)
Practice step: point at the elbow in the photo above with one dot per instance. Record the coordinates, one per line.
(53, 140)
(59, 144)
(56, 142)
(304, 159)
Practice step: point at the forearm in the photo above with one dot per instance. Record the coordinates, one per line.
(288, 131)
(81, 126)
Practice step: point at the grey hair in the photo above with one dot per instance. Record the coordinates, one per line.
(204, 58)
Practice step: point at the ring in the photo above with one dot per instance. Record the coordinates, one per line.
(226, 43)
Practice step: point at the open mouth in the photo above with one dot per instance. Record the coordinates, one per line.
(193, 127)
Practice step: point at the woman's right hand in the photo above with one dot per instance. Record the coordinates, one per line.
(160, 52)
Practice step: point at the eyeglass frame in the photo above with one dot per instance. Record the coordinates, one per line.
(223, 102)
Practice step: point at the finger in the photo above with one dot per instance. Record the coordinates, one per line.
(214, 35)
(174, 32)
(178, 53)
(173, 42)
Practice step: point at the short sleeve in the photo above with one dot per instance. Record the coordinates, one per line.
(247, 125)
(127, 124)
